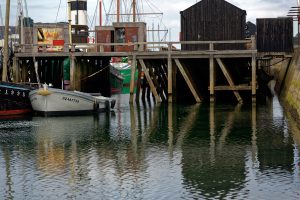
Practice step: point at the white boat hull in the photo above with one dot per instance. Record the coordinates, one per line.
(56, 101)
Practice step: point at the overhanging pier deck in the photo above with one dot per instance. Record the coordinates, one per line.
(162, 64)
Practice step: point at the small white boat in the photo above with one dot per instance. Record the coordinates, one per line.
(51, 101)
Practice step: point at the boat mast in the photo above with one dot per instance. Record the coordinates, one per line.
(100, 12)
(118, 11)
(70, 20)
(5, 56)
(134, 10)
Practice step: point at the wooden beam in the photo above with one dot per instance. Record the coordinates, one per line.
(133, 66)
(170, 81)
(229, 79)
(139, 83)
(187, 80)
(212, 78)
(253, 64)
(72, 73)
(232, 88)
(152, 87)
(16, 70)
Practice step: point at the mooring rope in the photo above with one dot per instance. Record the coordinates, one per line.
(94, 73)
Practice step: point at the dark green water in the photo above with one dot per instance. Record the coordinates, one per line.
(153, 152)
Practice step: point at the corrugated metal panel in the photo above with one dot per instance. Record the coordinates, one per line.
(275, 35)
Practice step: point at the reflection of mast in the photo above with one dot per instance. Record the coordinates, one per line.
(9, 182)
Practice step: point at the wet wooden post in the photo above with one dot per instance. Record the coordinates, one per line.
(133, 66)
(211, 74)
(72, 72)
(253, 64)
(138, 84)
(170, 75)
(16, 70)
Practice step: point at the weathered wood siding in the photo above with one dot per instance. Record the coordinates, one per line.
(212, 20)
(275, 34)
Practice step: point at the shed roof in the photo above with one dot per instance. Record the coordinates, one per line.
(210, 1)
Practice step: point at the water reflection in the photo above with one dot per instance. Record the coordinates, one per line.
(153, 151)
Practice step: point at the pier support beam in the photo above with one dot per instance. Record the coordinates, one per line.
(188, 80)
(212, 78)
(72, 73)
(16, 70)
(253, 64)
(147, 75)
(170, 79)
(229, 79)
(133, 66)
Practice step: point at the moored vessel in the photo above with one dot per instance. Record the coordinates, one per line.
(14, 99)
(51, 101)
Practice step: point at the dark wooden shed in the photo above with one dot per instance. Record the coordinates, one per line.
(212, 20)
(275, 34)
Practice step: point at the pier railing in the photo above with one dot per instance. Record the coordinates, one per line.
(247, 44)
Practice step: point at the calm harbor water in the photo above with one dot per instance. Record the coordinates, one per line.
(153, 152)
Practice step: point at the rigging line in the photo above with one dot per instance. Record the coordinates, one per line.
(153, 6)
(58, 11)
(93, 74)
(95, 14)
(107, 16)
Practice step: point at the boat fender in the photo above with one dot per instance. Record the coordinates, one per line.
(44, 92)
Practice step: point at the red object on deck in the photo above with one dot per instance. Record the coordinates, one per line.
(58, 42)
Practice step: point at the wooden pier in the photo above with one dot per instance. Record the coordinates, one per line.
(160, 63)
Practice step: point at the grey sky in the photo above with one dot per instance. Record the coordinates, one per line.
(46, 10)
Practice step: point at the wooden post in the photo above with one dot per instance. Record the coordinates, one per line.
(152, 87)
(230, 81)
(138, 84)
(16, 70)
(72, 73)
(170, 80)
(253, 64)
(212, 78)
(187, 80)
(133, 66)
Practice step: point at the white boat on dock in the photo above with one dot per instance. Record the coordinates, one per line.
(51, 101)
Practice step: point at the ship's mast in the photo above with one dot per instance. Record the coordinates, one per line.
(134, 10)
(100, 12)
(118, 11)
(5, 56)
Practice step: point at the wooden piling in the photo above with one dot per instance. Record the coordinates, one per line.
(211, 78)
(253, 65)
(72, 72)
(16, 70)
(133, 66)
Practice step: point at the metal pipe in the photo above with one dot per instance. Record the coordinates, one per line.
(5, 56)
